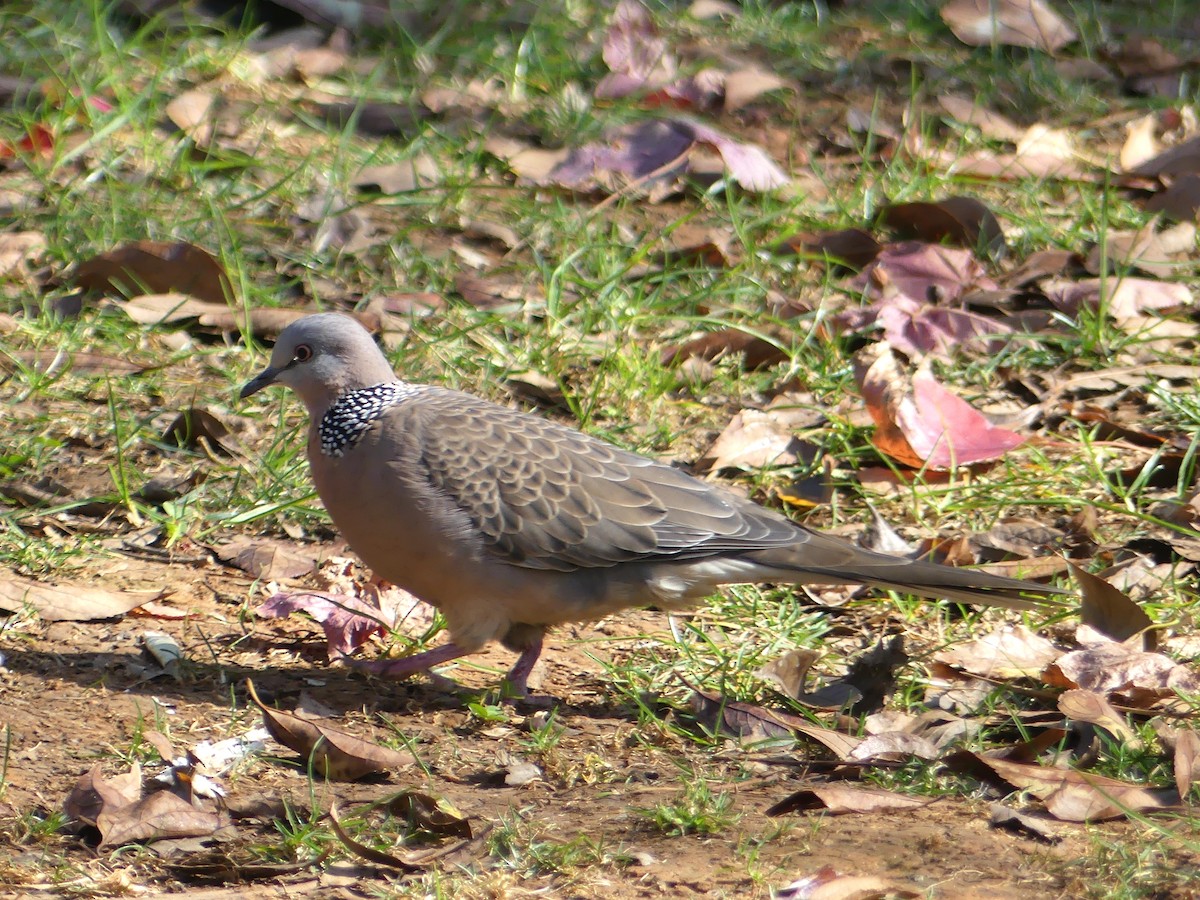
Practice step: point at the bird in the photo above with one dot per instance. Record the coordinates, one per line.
(510, 523)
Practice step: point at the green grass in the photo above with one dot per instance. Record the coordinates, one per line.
(119, 176)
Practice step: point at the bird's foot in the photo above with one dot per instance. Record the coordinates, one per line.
(410, 665)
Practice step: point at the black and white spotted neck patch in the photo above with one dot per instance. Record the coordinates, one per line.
(344, 423)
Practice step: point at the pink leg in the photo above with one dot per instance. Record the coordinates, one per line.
(418, 662)
(518, 675)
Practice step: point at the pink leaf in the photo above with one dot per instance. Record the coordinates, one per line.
(945, 430)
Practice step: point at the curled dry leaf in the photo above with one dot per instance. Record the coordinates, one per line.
(746, 720)
(409, 862)
(157, 267)
(1027, 824)
(1111, 612)
(50, 361)
(348, 621)
(651, 155)
(18, 249)
(124, 814)
(991, 124)
(829, 884)
(1140, 677)
(197, 428)
(1187, 752)
(334, 754)
(920, 423)
(838, 799)
(1090, 707)
(1069, 795)
(1016, 23)
(789, 672)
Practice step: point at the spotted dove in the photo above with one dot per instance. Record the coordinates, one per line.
(509, 523)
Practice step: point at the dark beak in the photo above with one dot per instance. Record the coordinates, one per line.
(263, 379)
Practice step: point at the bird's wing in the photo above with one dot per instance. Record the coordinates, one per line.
(544, 496)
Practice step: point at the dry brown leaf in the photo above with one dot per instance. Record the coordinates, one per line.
(192, 113)
(1014, 652)
(123, 814)
(1090, 707)
(742, 86)
(1180, 200)
(68, 603)
(1023, 823)
(964, 221)
(18, 249)
(1147, 249)
(1182, 159)
(197, 428)
(157, 267)
(269, 559)
(1111, 612)
(333, 754)
(829, 884)
(991, 124)
(756, 438)
(1187, 752)
(1016, 23)
(757, 351)
(1070, 795)
(48, 361)
(1139, 676)
(422, 171)
(1141, 142)
(746, 720)
(838, 799)
(789, 673)
(895, 746)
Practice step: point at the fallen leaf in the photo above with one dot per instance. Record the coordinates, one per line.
(1114, 668)
(755, 439)
(1023, 823)
(68, 603)
(655, 153)
(1017, 23)
(348, 621)
(1069, 795)
(1111, 612)
(925, 424)
(49, 361)
(1187, 751)
(157, 267)
(1090, 707)
(333, 754)
(839, 799)
(18, 249)
(1009, 652)
(267, 559)
(196, 428)
(829, 884)
(964, 221)
(991, 124)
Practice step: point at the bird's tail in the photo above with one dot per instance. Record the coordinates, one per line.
(820, 559)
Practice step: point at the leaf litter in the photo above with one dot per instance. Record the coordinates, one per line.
(925, 300)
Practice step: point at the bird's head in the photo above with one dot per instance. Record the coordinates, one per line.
(321, 357)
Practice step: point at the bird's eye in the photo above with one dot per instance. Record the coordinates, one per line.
(302, 353)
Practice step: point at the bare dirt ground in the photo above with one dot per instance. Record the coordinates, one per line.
(76, 693)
